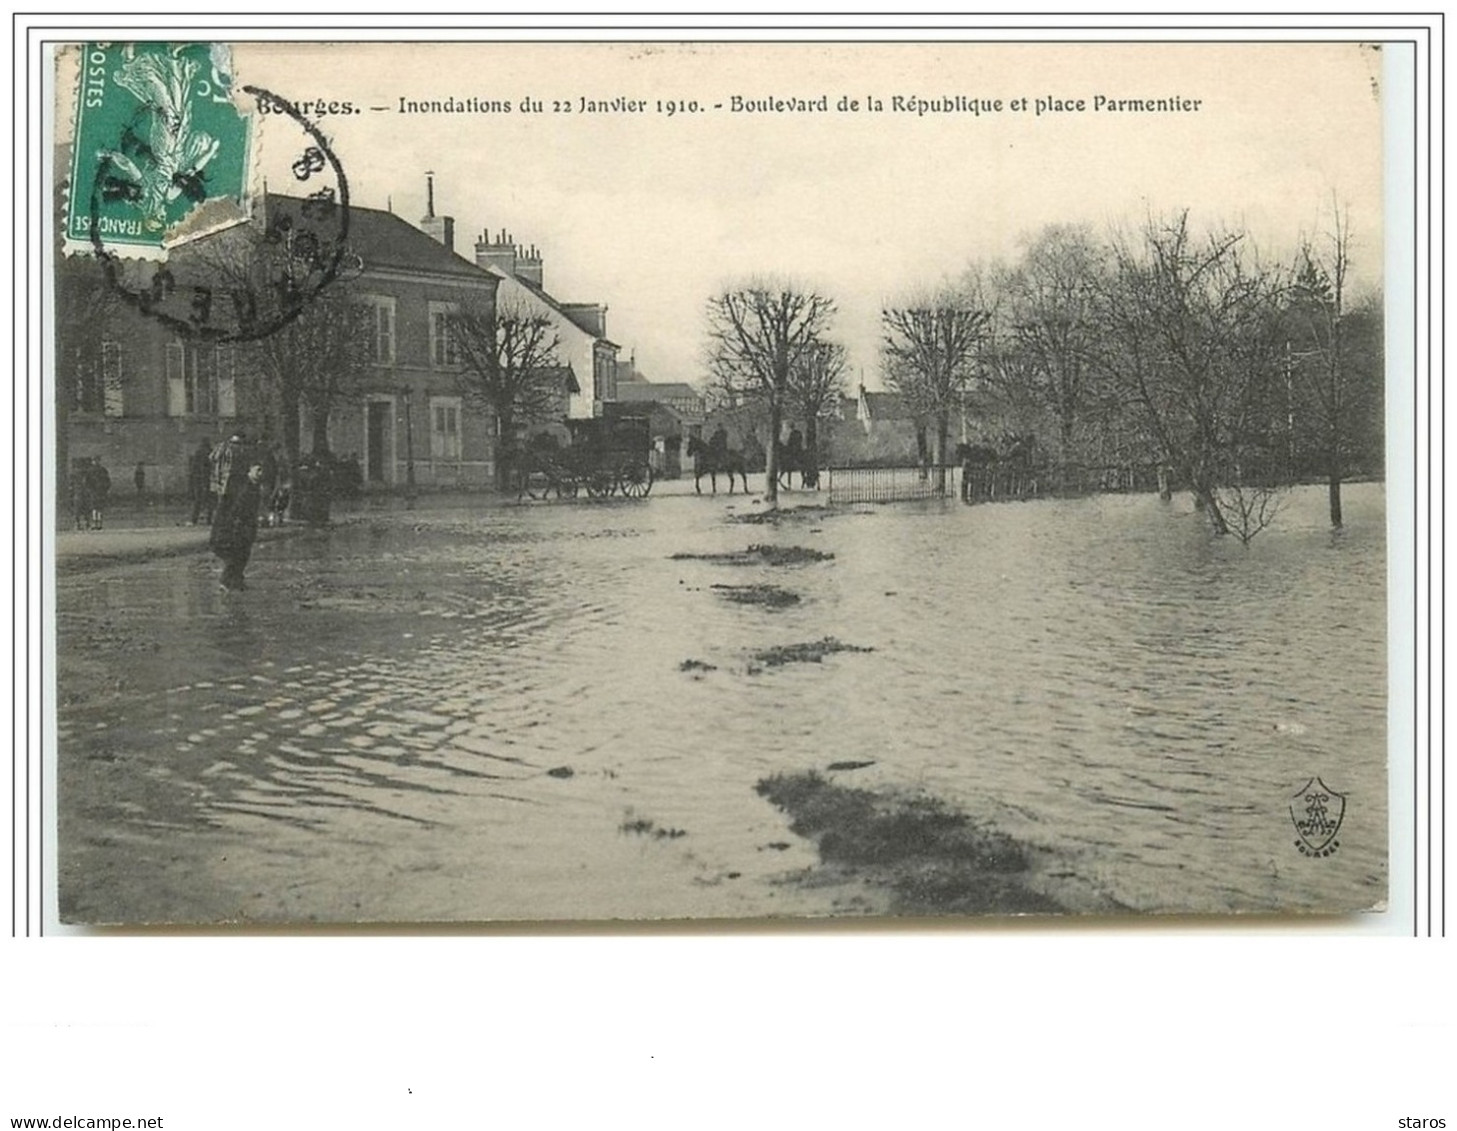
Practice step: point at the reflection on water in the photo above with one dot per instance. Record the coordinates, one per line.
(457, 717)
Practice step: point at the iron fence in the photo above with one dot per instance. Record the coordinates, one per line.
(887, 484)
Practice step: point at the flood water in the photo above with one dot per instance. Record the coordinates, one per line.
(474, 714)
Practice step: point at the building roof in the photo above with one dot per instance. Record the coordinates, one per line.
(656, 391)
(553, 303)
(383, 239)
(566, 375)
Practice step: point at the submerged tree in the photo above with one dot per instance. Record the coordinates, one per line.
(1327, 361)
(1195, 341)
(509, 365)
(930, 350)
(758, 337)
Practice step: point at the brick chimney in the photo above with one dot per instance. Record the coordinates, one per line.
(439, 228)
(499, 253)
(528, 266)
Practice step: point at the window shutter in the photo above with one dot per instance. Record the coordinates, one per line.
(111, 378)
(227, 388)
(176, 386)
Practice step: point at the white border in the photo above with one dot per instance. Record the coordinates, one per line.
(1210, 1026)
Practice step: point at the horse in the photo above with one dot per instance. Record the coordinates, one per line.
(794, 456)
(712, 461)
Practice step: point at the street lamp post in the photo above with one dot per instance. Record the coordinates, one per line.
(409, 449)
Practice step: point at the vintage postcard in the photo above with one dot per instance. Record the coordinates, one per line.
(719, 480)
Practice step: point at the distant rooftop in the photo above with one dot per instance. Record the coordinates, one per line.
(656, 391)
(383, 239)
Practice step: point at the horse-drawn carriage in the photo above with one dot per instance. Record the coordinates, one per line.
(606, 455)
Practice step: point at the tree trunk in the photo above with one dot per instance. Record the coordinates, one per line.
(63, 448)
(321, 432)
(1208, 502)
(288, 403)
(505, 449)
(812, 449)
(943, 431)
(1336, 474)
(771, 466)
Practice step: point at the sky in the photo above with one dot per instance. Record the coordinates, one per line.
(651, 212)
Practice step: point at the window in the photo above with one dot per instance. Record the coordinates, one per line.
(381, 329)
(111, 378)
(445, 428)
(98, 379)
(443, 352)
(200, 380)
(604, 374)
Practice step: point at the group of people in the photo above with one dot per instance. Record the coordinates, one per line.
(234, 486)
(210, 467)
(90, 486)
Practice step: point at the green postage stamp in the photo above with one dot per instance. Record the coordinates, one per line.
(157, 136)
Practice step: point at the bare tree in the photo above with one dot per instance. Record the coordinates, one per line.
(510, 367)
(815, 385)
(930, 350)
(316, 362)
(758, 336)
(1048, 324)
(1195, 339)
(317, 354)
(1321, 359)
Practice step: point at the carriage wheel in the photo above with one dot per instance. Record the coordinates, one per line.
(600, 484)
(636, 480)
(566, 488)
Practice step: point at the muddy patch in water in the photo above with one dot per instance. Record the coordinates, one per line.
(760, 555)
(812, 652)
(933, 859)
(785, 514)
(763, 596)
(642, 826)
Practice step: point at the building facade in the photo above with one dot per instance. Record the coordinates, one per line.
(134, 390)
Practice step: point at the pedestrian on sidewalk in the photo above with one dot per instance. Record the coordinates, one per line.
(100, 488)
(81, 491)
(139, 480)
(235, 525)
(278, 502)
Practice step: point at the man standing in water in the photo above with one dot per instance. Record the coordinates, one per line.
(235, 525)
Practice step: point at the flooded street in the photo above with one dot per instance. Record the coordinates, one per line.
(540, 712)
